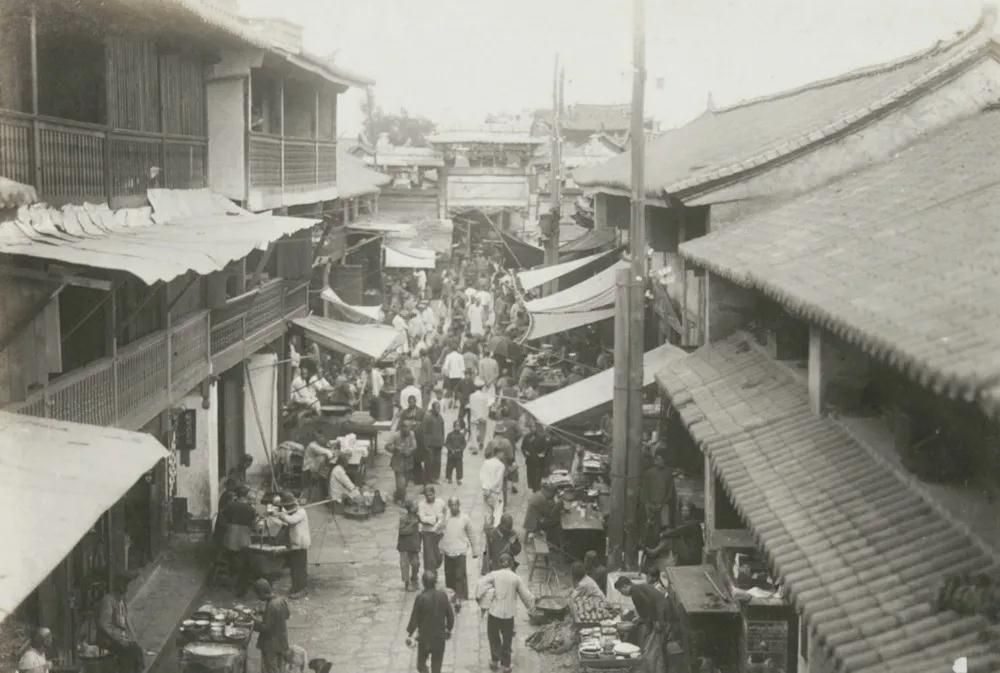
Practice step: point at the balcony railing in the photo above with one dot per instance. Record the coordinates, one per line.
(249, 322)
(282, 164)
(129, 388)
(76, 160)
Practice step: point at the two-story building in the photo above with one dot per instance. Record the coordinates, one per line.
(845, 402)
(748, 157)
(151, 287)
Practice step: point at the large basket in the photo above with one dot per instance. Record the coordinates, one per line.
(587, 665)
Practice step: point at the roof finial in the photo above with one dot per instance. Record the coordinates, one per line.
(710, 104)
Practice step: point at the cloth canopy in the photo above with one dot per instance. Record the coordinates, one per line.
(520, 254)
(535, 277)
(544, 324)
(409, 258)
(594, 391)
(596, 292)
(361, 315)
(592, 240)
(58, 479)
(371, 341)
(185, 230)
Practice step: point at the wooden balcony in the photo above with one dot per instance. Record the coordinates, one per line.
(71, 161)
(249, 322)
(128, 389)
(288, 171)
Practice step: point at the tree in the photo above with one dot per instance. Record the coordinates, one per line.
(401, 128)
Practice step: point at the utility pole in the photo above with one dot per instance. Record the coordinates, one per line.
(626, 461)
(555, 173)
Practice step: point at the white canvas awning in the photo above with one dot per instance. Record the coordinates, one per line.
(545, 324)
(594, 391)
(536, 277)
(596, 292)
(58, 478)
(409, 258)
(349, 312)
(185, 230)
(371, 341)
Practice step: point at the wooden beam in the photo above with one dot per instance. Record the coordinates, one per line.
(104, 300)
(55, 277)
(33, 312)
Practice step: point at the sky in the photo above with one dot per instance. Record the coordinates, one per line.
(455, 61)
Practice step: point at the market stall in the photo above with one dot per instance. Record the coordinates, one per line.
(215, 640)
(708, 624)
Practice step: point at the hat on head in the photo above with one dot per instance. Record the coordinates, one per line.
(262, 586)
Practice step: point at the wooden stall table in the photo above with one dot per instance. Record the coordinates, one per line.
(582, 530)
(708, 619)
(199, 650)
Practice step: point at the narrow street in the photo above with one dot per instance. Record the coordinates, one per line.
(356, 612)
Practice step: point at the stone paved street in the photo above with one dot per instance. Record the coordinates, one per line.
(356, 611)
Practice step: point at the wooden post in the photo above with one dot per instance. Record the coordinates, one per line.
(35, 131)
(247, 176)
(682, 270)
(619, 450)
(555, 179)
(316, 140)
(281, 131)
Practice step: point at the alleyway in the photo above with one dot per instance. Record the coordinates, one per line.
(356, 611)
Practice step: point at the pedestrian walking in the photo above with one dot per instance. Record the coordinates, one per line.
(433, 427)
(453, 369)
(491, 477)
(408, 545)
(500, 590)
(458, 540)
(272, 627)
(299, 540)
(432, 618)
(426, 377)
(502, 540)
(455, 446)
(537, 449)
(432, 513)
(479, 411)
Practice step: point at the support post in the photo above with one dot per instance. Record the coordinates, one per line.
(555, 178)
(35, 130)
(619, 450)
(816, 388)
(281, 130)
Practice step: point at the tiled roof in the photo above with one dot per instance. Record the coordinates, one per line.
(902, 259)
(588, 117)
(721, 145)
(859, 550)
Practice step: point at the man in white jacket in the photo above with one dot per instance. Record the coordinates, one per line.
(491, 476)
(299, 541)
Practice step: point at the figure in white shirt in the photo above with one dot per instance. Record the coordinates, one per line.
(475, 315)
(491, 476)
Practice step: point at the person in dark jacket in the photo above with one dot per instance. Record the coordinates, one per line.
(272, 627)
(502, 540)
(433, 619)
(433, 427)
(651, 608)
(455, 442)
(536, 448)
(408, 545)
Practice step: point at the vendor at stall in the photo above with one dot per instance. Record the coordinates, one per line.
(584, 586)
(680, 544)
(542, 514)
(537, 450)
(342, 489)
(272, 626)
(316, 461)
(114, 628)
(34, 658)
(652, 609)
(237, 521)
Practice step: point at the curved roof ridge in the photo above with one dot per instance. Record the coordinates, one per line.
(982, 27)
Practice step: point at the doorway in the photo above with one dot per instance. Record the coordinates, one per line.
(231, 425)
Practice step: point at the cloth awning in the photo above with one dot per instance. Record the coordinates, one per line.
(370, 341)
(535, 277)
(409, 258)
(594, 391)
(596, 292)
(520, 254)
(193, 231)
(58, 479)
(595, 239)
(861, 552)
(361, 315)
(544, 324)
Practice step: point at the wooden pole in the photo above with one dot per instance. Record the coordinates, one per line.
(619, 447)
(555, 178)
(629, 337)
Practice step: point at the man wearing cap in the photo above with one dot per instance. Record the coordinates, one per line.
(432, 618)
(299, 540)
(459, 537)
(501, 589)
(272, 627)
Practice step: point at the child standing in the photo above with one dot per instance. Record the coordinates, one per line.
(408, 545)
(455, 444)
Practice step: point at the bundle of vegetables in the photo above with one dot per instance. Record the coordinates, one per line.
(554, 638)
(971, 595)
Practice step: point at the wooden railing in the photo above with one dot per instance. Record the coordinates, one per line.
(291, 164)
(250, 321)
(133, 385)
(76, 160)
